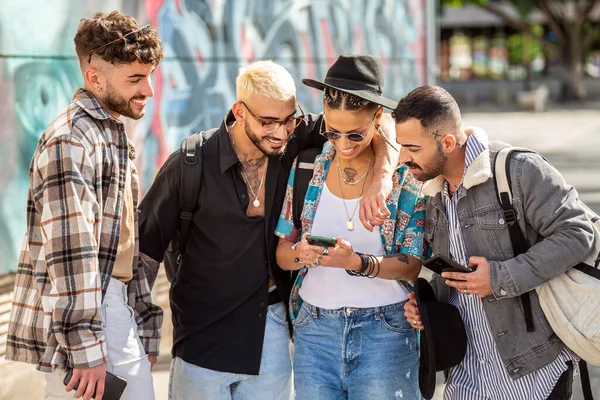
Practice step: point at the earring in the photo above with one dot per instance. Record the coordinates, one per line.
(98, 90)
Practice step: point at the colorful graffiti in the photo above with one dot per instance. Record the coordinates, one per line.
(205, 42)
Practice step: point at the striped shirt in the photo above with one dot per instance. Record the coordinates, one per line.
(74, 207)
(482, 374)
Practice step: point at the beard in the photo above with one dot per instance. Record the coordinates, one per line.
(259, 142)
(118, 104)
(432, 170)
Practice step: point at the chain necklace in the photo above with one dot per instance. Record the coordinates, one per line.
(256, 202)
(352, 183)
(350, 223)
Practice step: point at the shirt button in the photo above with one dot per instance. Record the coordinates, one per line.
(501, 221)
(261, 315)
(262, 303)
(244, 197)
(482, 361)
(502, 292)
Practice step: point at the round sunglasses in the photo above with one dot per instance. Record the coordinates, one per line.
(352, 136)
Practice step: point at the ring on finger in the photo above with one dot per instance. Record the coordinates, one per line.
(414, 322)
(325, 251)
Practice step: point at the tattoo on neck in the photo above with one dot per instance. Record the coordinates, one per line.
(400, 257)
(350, 174)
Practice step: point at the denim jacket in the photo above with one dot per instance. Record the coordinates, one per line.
(557, 230)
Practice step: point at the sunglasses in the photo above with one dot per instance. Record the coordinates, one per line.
(144, 29)
(352, 136)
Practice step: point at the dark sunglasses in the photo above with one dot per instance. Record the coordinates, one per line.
(352, 136)
(143, 29)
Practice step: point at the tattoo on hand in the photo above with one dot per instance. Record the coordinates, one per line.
(350, 174)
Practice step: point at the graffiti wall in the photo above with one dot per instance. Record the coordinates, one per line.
(205, 42)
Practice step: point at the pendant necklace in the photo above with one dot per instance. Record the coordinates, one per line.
(350, 223)
(256, 202)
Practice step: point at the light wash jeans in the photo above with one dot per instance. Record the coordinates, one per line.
(355, 353)
(126, 355)
(274, 382)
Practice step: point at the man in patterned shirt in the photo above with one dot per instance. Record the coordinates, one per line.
(505, 358)
(80, 253)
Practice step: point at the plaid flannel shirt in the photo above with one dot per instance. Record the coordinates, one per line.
(74, 206)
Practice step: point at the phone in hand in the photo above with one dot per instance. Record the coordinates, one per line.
(114, 385)
(325, 241)
(439, 264)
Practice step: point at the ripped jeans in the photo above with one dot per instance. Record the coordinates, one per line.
(355, 353)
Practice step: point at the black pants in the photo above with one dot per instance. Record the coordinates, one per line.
(564, 387)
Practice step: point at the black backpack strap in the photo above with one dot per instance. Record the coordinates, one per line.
(305, 163)
(502, 183)
(189, 185)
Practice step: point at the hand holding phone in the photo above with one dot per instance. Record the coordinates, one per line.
(114, 385)
(325, 241)
(439, 264)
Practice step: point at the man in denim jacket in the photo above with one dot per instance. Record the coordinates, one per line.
(465, 223)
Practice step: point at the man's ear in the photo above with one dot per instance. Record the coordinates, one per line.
(238, 111)
(448, 143)
(94, 78)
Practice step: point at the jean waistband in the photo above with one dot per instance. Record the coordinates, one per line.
(117, 287)
(346, 311)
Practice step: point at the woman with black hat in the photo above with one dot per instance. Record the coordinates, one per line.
(351, 337)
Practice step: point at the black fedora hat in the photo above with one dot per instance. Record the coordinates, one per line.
(443, 339)
(357, 74)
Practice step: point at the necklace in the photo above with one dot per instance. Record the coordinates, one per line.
(256, 202)
(352, 183)
(350, 223)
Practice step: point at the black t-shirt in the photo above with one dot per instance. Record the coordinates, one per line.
(219, 295)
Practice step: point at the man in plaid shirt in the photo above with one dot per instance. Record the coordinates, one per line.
(81, 299)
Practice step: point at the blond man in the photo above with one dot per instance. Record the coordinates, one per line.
(228, 296)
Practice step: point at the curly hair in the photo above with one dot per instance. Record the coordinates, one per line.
(94, 33)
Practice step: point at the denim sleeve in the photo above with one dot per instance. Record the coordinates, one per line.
(550, 207)
(285, 228)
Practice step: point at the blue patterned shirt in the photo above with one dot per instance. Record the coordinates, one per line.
(402, 232)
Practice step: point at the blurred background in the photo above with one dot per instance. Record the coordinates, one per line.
(527, 71)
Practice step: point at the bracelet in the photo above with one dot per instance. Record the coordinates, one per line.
(369, 266)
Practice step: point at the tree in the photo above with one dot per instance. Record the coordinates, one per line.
(569, 20)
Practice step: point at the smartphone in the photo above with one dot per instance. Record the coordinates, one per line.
(439, 264)
(325, 241)
(114, 385)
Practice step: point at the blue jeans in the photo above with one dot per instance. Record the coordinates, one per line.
(274, 382)
(355, 353)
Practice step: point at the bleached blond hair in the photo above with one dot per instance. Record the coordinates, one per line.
(264, 79)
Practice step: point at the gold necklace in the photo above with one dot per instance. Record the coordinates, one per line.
(361, 178)
(350, 223)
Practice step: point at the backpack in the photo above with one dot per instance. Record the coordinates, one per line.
(189, 191)
(571, 300)
(305, 163)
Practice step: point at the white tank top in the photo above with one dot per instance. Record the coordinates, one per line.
(332, 288)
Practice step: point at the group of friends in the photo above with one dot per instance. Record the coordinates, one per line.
(392, 189)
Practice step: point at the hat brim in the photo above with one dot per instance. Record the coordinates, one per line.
(427, 369)
(363, 94)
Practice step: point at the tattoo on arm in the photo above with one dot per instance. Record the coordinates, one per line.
(350, 174)
(400, 257)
